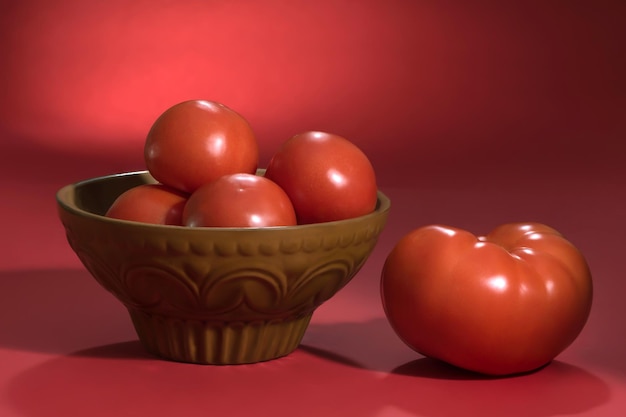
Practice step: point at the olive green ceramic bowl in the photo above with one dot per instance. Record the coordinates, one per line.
(214, 295)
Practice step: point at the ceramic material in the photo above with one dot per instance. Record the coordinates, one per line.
(214, 295)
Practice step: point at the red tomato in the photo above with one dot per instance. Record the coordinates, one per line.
(326, 177)
(239, 200)
(197, 141)
(505, 303)
(150, 203)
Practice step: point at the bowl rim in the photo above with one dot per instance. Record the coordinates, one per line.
(383, 205)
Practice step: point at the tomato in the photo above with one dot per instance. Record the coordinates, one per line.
(198, 141)
(239, 200)
(150, 203)
(326, 177)
(504, 303)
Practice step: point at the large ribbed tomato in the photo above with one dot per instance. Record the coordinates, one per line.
(197, 141)
(504, 303)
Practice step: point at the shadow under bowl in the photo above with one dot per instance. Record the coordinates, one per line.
(214, 295)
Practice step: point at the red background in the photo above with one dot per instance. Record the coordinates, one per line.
(473, 114)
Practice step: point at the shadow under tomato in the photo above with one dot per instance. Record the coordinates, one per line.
(556, 389)
(436, 369)
(431, 387)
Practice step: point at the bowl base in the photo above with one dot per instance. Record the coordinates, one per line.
(218, 342)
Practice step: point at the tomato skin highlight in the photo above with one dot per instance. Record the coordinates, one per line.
(505, 303)
(239, 200)
(196, 142)
(150, 203)
(326, 177)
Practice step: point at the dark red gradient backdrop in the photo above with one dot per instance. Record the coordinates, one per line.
(421, 86)
(473, 113)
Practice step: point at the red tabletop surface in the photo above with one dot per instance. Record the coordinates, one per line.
(473, 114)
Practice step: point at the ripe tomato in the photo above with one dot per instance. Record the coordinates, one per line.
(500, 304)
(326, 177)
(239, 200)
(198, 141)
(149, 203)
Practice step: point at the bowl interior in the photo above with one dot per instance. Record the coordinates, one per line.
(95, 196)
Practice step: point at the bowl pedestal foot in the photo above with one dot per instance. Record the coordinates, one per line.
(218, 342)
